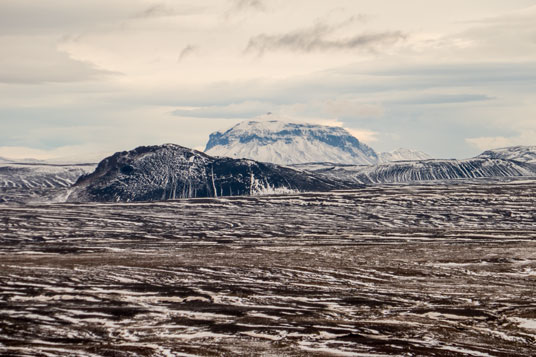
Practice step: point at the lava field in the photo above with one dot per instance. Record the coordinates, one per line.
(406, 270)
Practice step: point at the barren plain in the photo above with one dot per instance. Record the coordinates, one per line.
(424, 270)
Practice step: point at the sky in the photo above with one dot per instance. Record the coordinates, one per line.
(82, 79)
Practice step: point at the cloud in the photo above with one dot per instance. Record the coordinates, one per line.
(170, 9)
(37, 60)
(187, 51)
(486, 143)
(156, 10)
(70, 154)
(444, 99)
(248, 5)
(366, 136)
(246, 109)
(317, 38)
(527, 137)
(351, 108)
(58, 16)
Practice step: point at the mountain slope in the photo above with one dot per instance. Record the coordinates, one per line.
(428, 170)
(32, 176)
(171, 171)
(403, 155)
(288, 143)
(517, 153)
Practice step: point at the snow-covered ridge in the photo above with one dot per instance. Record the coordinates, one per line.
(403, 155)
(517, 153)
(290, 143)
(425, 170)
(31, 176)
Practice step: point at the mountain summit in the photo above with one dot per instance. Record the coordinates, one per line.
(290, 143)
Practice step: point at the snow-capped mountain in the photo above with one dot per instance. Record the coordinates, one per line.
(151, 173)
(517, 153)
(403, 155)
(290, 143)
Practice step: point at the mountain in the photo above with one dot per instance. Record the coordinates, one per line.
(403, 155)
(289, 143)
(427, 170)
(517, 153)
(31, 182)
(151, 173)
(31, 176)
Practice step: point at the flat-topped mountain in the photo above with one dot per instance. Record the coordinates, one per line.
(290, 143)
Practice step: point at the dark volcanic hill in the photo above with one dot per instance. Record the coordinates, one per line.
(151, 173)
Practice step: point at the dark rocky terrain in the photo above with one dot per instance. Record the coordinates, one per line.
(152, 173)
(157, 173)
(423, 270)
(170, 171)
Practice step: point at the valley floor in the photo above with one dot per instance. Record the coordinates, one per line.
(430, 270)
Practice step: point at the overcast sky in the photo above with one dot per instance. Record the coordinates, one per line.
(87, 78)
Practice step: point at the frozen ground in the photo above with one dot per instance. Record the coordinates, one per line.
(432, 270)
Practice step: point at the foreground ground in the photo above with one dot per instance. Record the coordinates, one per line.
(395, 270)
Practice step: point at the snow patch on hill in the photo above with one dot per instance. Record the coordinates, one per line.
(403, 155)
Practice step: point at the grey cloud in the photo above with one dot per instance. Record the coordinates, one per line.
(354, 80)
(70, 71)
(248, 4)
(19, 17)
(32, 62)
(444, 99)
(187, 51)
(462, 74)
(156, 10)
(60, 16)
(162, 10)
(316, 38)
(246, 109)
